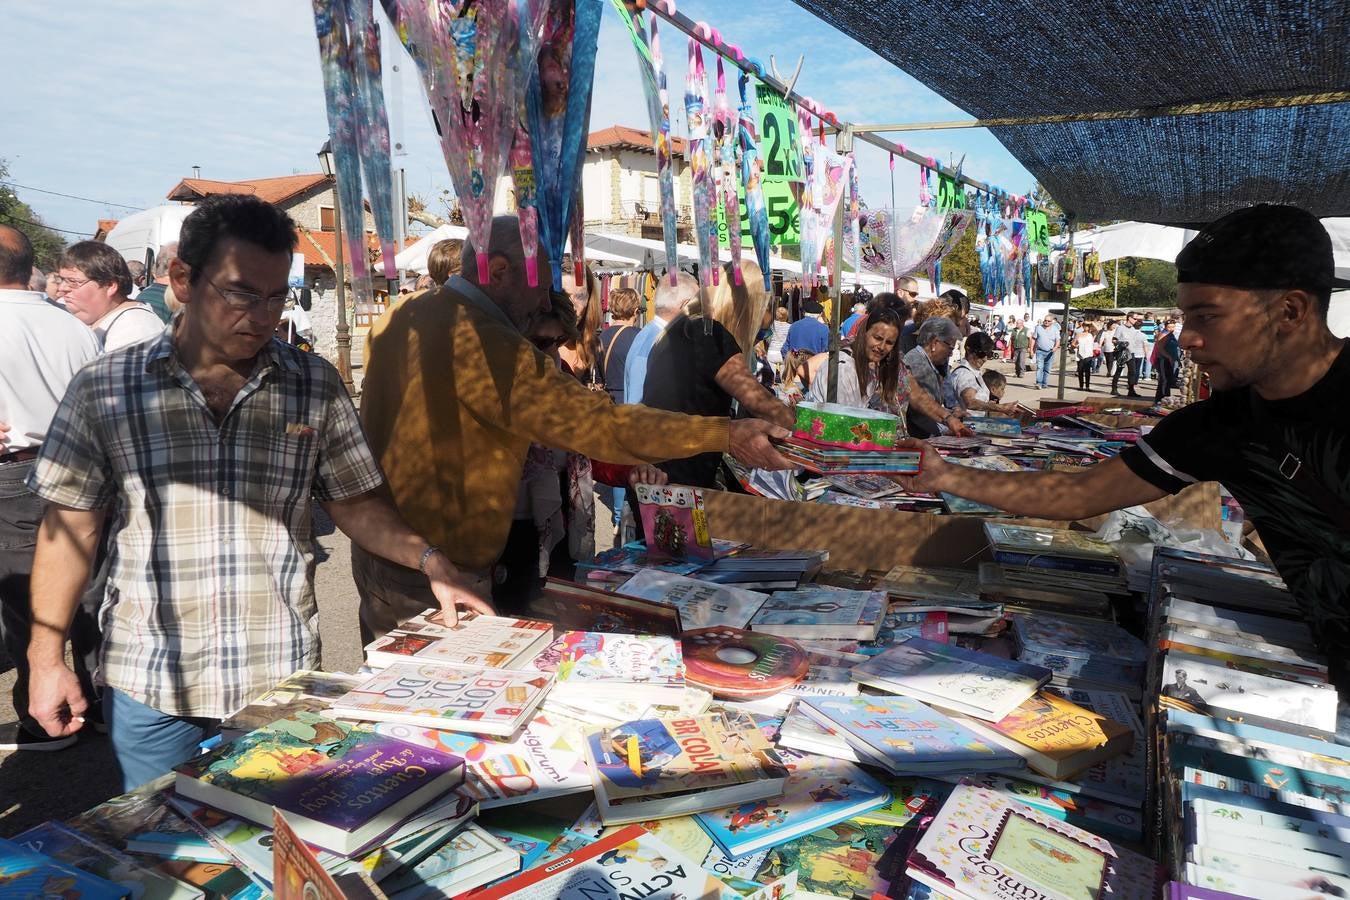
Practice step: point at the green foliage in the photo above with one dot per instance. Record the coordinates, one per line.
(47, 244)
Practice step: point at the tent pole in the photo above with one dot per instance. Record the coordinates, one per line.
(843, 143)
(1115, 296)
(1064, 321)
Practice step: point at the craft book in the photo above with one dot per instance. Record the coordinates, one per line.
(984, 846)
(822, 613)
(343, 787)
(630, 863)
(591, 664)
(25, 874)
(451, 698)
(967, 681)
(818, 793)
(702, 604)
(544, 760)
(1057, 738)
(651, 768)
(674, 521)
(493, 642)
(905, 736)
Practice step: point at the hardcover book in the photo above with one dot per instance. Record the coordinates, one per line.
(985, 846)
(686, 837)
(842, 861)
(905, 736)
(1057, 738)
(702, 604)
(595, 665)
(470, 859)
(451, 698)
(73, 849)
(492, 642)
(305, 690)
(652, 768)
(314, 769)
(818, 793)
(822, 613)
(1110, 820)
(1200, 683)
(967, 681)
(584, 608)
(296, 872)
(24, 874)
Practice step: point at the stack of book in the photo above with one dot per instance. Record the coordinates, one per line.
(1247, 758)
(831, 460)
(1082, 653)
(1028, 554)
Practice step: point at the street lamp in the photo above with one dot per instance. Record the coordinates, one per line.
(344, 335)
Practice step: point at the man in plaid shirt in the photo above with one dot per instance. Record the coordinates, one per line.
(206, 445)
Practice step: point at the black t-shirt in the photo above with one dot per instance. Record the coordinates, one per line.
(1223, 439)
(682, 377)
(615, 342)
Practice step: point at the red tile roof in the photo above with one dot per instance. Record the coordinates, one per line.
(633, 138)
(273, 190)
(327, 240)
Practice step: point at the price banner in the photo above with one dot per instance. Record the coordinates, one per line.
(950, 193)
(1038, 231)
(784, 217)
(780, 152)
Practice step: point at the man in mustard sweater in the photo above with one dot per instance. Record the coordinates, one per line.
(453, 397)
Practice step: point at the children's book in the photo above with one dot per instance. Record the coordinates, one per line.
(493, 642)
(545, 760)
(170, 836)
(450, 698)
(1110, 820)
(966, 681)
(296, 871)
(305, 690)
(985, 846)
(630, 862)
(842, 861)
(314, 769)
(71, 848)
(24, 874)
(822, 613)
(907, 737)
(702, 604)
(674, 521)
(470, 859)
(595, 665)
(1057, 738)
(652, 768)
(818, 793)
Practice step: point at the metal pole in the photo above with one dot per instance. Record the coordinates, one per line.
(344, 336)
(843, 143)
(1115, 293)
(1064, 321)
(401, 227)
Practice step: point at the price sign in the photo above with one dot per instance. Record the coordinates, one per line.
(950, 193)
(1038, 231)
(784, 217)
(780, 143)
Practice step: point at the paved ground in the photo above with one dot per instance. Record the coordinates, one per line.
(35, 787)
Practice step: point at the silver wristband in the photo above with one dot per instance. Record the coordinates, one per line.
(426, 555)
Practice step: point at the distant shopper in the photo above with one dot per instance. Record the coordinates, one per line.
(155, 294)
(96, 287)
(809, 333)
(444, 260)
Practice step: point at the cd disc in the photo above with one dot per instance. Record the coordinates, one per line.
(741, 665)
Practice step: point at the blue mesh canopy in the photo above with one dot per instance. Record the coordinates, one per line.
(1019, 58)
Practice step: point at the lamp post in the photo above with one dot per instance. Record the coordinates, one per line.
(344, 335)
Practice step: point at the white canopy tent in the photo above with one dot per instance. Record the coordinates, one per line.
(414, 256)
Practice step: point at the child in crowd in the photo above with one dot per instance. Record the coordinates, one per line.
(997, 384)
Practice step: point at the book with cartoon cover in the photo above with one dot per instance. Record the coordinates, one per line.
(1058, 739)
(841, 861)
(591, 664)
(24, 873)
(657, 767)
(674, 521)
(84, 853)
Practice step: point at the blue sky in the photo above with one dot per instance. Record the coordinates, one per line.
(117, 100)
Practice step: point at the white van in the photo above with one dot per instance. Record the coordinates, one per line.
(140, 235)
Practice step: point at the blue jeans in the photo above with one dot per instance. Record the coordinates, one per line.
(147, 742)
(1043, 358)
(1145, 367)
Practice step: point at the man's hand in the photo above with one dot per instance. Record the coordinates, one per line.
(932, 468)
(646, 473)
(451, 591)
(748, 441)
(55, 700)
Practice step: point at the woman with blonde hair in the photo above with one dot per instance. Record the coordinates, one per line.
(699, 366)
(583, 355)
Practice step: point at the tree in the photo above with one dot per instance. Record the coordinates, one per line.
(47, 244)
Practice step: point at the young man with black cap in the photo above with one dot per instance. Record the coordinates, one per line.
(1272, 432)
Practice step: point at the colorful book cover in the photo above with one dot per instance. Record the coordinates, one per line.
(818, 793)
(843, 860)
(822, 613)
(1190, 775)
(967, 681)
(296, 872)
(1110, 820)
(911, 796)
(451, 698)
(494, 642)
(470, 859)
(674, 521)
(1177, 890)
(1121, 779)
(984, 845)
(313, 768)
(688, 760)
(78, 851)
(906, 736)
(1196, 681)
(24, 874)
(1177, 720)
(1314, 821)
(683, 834)
(169, 836)
(305, 690)
(591, 661)
(628, 862)
(1329, 788)
(584, 608)
(702, 604)
(1062, 737)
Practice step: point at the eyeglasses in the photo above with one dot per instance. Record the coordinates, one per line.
(71, 283)
(243, 301)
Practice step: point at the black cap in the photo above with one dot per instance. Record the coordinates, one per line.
(1260, 247)
(811, 307)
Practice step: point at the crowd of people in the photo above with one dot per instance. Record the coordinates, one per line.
(156, 491)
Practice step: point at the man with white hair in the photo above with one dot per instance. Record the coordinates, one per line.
(156, 294)
(670, 302)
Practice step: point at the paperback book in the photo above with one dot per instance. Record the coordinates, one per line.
(1202, 683)
(69, 847)
(907, 737)
(652, 768)
(702, 604)
(450, 698)
(841, 861)
(822, 613)
(595, 665)
(966, 681)
(313, 768)
(24, 873)
(674, 521)
(1057, 738)
(587, 608)
(492, 642)
(1109, 820)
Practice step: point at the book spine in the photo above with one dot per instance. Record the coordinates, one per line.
(1059, 563)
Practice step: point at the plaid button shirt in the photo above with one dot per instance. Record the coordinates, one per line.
(210, 596)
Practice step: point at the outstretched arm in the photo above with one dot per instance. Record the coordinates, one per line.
(1066, 496)
(736, 379)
